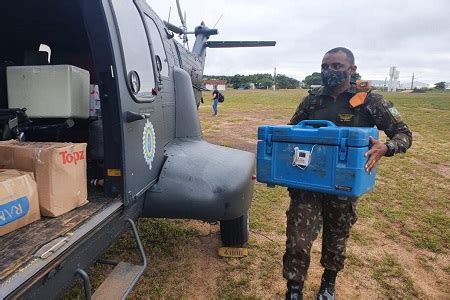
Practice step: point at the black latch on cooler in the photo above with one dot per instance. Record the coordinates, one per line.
(343, 149)
(269, 144)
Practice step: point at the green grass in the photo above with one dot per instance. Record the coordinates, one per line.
(392, 278)
(413, 189)
(268, 199)
(411, 201)
(164, 235)
(361, 238)
(408, 210)
(233, 289)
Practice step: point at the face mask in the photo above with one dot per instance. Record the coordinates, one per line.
(332, 79)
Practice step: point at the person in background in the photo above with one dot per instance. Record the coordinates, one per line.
(215, 102)
(343, 103)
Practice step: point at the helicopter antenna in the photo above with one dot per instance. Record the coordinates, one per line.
(218, 21)
(170, 10)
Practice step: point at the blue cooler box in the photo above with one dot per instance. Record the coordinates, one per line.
(316, 155)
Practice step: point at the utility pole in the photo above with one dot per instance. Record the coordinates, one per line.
(391, 77)
(275, 79)
(412, 82)
(396, 84)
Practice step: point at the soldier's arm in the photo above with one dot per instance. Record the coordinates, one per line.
(387, 118)
(301, 113)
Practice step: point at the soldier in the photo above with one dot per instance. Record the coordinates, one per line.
(345, 104)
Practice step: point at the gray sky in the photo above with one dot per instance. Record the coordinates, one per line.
(412, 35)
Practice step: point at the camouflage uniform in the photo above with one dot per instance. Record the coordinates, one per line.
(309, 210)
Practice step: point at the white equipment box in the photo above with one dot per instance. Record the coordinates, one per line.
(49, 91)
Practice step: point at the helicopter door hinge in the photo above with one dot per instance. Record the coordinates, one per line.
(131, 198)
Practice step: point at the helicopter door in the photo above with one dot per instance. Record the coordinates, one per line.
(139, 99)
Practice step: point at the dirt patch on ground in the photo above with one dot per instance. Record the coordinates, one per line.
(239, 130)
(444, 170)
(440, 169)
(431, 109)
(425, 282)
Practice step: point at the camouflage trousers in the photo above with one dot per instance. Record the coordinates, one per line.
(306, 214)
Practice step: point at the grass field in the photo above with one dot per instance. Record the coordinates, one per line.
(399, 248)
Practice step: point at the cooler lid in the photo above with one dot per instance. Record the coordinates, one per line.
(318, 132)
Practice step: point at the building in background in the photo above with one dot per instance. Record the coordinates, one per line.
(401, 85)
(215, 84)
(405, 85)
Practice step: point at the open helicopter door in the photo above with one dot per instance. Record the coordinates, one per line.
(140, 101)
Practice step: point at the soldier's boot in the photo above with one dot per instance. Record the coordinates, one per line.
(327, 284)
(294, 290)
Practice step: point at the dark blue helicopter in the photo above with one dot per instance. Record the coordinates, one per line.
(146, 156)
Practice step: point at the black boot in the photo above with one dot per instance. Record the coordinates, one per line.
(295, 290)
(328, 282)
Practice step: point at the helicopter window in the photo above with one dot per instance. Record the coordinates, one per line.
(158, 46)
(135, 46)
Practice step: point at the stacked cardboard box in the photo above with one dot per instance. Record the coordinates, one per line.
(19, 204)
(59, 169)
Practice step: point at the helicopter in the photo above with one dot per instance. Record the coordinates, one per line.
(146, 157)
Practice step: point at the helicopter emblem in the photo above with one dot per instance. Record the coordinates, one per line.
(149, 143)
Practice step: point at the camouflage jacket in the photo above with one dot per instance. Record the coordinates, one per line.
(375, 111)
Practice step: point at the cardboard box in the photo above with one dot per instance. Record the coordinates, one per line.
(19, 204)
(59, 169)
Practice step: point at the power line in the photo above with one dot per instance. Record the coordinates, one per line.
(275, 79)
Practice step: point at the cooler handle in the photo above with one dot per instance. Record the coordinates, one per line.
(315, 123)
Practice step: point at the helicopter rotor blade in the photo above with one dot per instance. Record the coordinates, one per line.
(173, 28)
(238, 44)
(180, 14)
(185, 38)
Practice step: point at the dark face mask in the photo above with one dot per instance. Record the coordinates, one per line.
(332, 79)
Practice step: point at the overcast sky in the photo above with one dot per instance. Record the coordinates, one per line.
(412, 35)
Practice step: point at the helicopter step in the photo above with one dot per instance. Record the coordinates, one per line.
(124, 276)
(118, 282)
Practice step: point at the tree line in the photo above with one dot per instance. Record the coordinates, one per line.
(316, 79)
(261, 81)
(265, 81)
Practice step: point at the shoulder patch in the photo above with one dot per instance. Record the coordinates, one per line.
(358, 99)
(395, 114)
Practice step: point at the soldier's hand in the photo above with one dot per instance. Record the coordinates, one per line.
(376, 152)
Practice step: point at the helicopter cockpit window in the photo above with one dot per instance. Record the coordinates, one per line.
(158, 46)
(135, 47)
